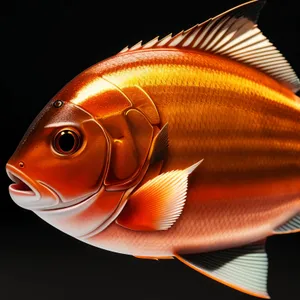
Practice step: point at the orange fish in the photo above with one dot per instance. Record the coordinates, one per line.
(184, 147)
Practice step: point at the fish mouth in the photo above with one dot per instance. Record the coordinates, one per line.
(23, 190)
(36, 195)
(19, 186)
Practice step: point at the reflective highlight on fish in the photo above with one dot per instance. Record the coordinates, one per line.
(184, 147)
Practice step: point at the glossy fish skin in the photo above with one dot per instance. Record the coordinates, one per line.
(250, 149)
(184, 147)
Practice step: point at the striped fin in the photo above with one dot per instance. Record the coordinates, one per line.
(244, 269)
(291, 226)
(233, 34)
(158, 203)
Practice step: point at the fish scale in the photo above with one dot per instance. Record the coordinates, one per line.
(231, 106)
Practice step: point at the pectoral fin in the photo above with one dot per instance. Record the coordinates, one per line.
(158, 203)
(244, 269)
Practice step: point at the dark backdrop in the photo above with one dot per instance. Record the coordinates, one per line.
(42, 46)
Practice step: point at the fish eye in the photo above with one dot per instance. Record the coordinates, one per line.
(66, 141)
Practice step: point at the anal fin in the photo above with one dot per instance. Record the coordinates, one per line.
(244, 269)
(292, 226)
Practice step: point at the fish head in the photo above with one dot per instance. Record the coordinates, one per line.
(82, 156)
(61, 160)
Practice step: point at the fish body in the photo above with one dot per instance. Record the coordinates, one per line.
(184, 147)
(245, 126)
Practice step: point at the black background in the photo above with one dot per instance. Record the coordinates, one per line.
(42, 46)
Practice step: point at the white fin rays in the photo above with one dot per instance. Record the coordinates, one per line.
(233, 34)
(244, 269)
(151, 43)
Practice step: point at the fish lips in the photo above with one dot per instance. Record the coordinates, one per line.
(27, 193)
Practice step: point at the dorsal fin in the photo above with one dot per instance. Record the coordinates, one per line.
(233, 34)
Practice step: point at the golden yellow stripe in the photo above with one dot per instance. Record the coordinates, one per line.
(191, 76)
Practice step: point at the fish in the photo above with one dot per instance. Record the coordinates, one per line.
(185, 147)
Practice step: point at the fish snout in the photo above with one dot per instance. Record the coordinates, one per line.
(28, 193)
